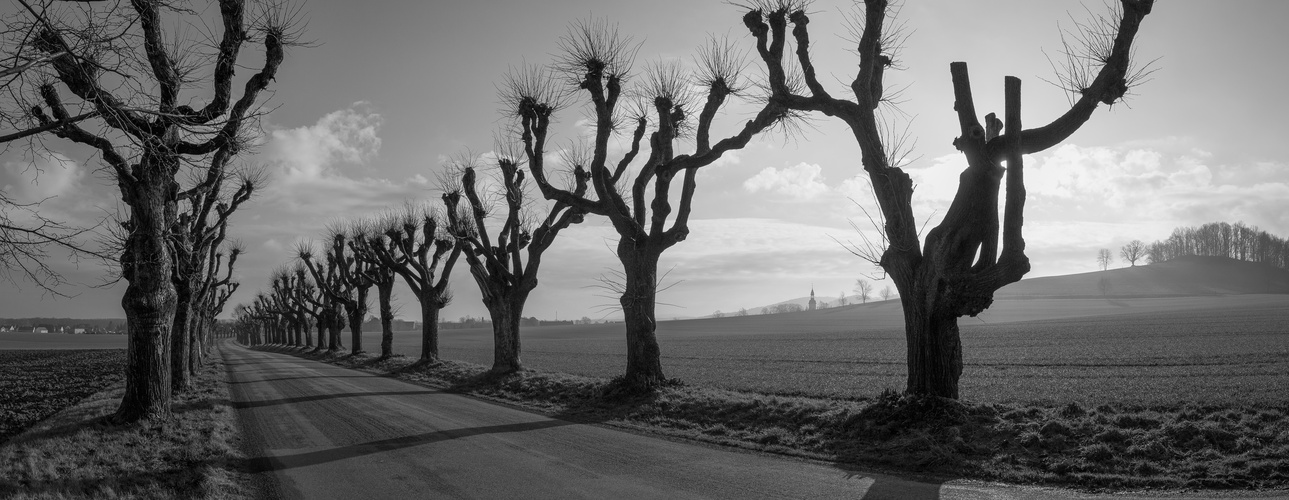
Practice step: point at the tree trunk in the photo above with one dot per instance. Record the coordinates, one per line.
(355, 329)
(322, 333)
(934, 345)
(333, 329)
(506, 311)
(196, 342)
(385, 291)
(429, 327)
(150, 299)
(644, 358)
(180, 338)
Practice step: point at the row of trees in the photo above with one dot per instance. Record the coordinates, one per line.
(1215, 239)
(113, 79)
(1220, 239)
(953, 273)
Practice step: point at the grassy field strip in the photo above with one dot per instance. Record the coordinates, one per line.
(77, 454)
(1168, 354)
(1092, 447)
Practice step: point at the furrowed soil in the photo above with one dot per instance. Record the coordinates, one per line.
(35, 384)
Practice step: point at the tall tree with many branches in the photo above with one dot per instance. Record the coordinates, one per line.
(368, 241)
(497, 260)
(141, 81)
(422, 252)
(196, 240)
(956, 270)
(598, 61)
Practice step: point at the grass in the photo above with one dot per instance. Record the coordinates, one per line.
(1102, 447)
(1206, 350)
(37, 384)
(78, 454)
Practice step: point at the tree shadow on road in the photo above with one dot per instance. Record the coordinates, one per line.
(281, 462)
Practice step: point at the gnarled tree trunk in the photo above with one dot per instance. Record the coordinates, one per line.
(506, 313)
(644, 358)
(150, 299)
(180, 337)
(385, 290)
(429, 329)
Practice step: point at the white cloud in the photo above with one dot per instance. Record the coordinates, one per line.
(318, 167)
(803, 181)
(48, 175)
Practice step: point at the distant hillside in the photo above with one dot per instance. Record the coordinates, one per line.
(1190, 275)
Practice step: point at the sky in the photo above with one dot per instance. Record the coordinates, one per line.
(363, 120)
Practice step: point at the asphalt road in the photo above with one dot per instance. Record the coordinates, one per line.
(319, 431)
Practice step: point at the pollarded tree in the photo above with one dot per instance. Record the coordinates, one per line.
(418, 247)
(1133, 251)
(497, 260)
(956, 270)
(195, 240)
(126, 65)
(351, 284)
(597, 61)
(368, 240)
(332, 292)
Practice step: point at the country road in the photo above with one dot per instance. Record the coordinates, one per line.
(319, 431)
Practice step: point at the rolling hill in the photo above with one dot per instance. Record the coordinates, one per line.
(1183, 276)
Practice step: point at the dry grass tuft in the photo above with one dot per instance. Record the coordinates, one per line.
(78, 454)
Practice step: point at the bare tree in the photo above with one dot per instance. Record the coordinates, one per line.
(504, 262)
(1133, 251)
(886, 292)
(334, 293)
(346, 278)
(742, 311)
(145, 130)
(368, 250)
(1104, 257)
(418, 247)
(841, 298)
(598, 61)
(956, 270)
(196, 240)
(863, 289)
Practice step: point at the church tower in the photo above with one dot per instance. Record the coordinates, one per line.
(812, 298)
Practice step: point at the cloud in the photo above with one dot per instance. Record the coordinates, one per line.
(318, 169)
(49, 175)
(803, 181)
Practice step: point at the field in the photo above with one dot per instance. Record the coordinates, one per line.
(35, 384)
(1143, 351)
(1132, 350)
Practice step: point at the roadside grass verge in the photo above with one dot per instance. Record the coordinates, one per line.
(1094, 448)
(77, 453)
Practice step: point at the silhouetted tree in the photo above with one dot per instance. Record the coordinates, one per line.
(368, 250)
(146, 136)
(418, 247)
(957, 269)
(504, 263)
(863, 289)
(195, 240)
(1104, 258)
(886, 292)
(1133, 251)
(598, 61)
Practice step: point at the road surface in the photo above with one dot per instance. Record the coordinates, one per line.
(319, 431)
